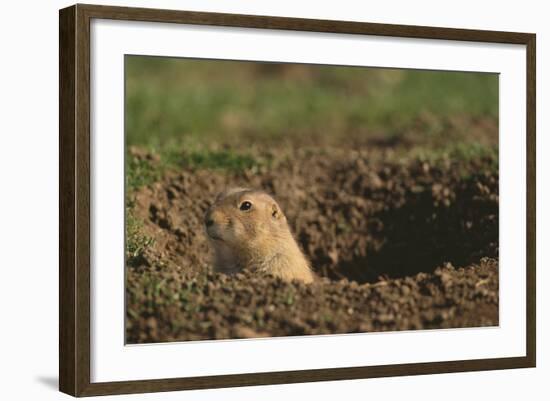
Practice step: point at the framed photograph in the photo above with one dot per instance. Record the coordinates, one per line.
(250, 200)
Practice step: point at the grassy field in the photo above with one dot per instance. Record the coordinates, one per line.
(170, 100)
(209, 114)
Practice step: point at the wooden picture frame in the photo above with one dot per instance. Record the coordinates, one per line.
(74, 200)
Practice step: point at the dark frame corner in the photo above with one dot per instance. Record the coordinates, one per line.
(74, 199)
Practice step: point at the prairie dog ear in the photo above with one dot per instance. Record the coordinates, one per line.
(276, 212)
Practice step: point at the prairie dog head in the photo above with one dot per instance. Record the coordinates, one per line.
(248, 230)
(240, 218)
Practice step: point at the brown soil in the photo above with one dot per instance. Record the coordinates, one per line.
(398, 246)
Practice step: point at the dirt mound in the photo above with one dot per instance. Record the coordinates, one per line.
(374, 229)
(183, 306)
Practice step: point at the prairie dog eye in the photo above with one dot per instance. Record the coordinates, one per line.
(245, 206)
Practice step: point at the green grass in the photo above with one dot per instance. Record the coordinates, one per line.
(224, 160)
(462, 153)
(136, 241)
(462, 156)
(142, 171)
(171, 101)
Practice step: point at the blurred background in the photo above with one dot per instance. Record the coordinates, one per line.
(173, 103)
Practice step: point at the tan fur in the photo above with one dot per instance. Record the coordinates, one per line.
(258, 239)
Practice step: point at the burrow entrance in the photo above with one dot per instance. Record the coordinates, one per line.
(459, 226)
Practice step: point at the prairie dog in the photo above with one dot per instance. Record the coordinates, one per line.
(248, 229)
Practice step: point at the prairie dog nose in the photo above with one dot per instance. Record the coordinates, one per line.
(208, 220)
